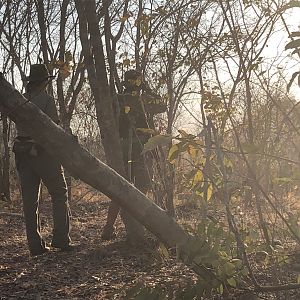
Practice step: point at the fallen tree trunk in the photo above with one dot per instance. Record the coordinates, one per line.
(81, 164)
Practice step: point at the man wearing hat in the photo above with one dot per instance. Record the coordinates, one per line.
(137, 104)
(35, 164)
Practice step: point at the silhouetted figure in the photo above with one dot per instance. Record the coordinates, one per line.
(136, 101)
(35, 164)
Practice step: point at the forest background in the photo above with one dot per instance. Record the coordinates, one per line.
(228, 145)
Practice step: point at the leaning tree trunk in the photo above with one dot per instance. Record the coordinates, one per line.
(83, 165)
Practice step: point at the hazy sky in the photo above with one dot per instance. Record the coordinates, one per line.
(277, 45)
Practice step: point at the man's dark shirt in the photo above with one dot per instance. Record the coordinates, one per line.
(46, 103)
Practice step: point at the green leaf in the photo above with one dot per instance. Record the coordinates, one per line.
(293, 44)
(209, 192)
(232, 282)
(298, 278)
(163, 251)
(197, 178)
(173, 153)
(229, 268)
(158, 140)
(221, 289)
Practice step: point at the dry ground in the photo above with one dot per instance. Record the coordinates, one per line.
(96, 269)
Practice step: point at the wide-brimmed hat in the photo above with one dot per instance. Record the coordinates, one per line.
(38, 72)
(133, 79)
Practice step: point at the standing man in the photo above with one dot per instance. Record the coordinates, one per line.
(35, 164)
(136, 102)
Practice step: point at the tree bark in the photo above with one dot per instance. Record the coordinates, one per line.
(92, 49)
(6, 159)
(43, 30)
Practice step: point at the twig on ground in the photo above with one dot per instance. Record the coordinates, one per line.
(10, 214)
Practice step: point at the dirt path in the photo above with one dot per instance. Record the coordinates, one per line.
(96, 270)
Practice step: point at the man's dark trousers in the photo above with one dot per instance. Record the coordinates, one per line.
(32, 170)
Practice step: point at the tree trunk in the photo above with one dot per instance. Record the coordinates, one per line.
(1, 176)
(5, 164)
(95, 63)
(170, 170)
